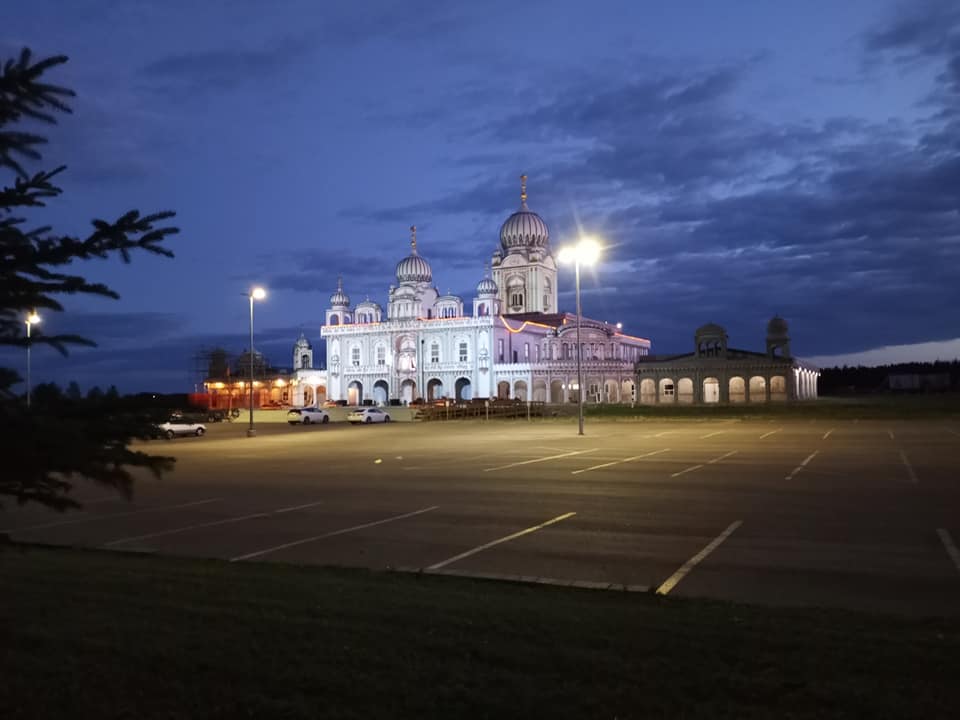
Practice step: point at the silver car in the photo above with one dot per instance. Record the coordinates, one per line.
(367, 415)
(307, 415)
(181, 426)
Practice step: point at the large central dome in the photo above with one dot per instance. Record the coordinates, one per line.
(524, 229)
(413, 268)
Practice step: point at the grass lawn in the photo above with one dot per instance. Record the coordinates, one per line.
(88, 634)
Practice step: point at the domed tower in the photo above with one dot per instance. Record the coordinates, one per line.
(414, 296)
(524, 269)
(711, 341)
(778, 338)
(302, 354)
(486, 301)
(339, 311)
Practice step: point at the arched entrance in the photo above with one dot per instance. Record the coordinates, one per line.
(539, 390)
(503, 390)
(668, 391)
(355, 393)
(778, 388)
(434, 389)
(758, 389)
(558, 393)
(381, 392)
(737, 390)
(520, 390)
(610, 394)
(648, 391)
(685, 391)
(408, 391)
(711, 390)
(627, 392)
(464, 389)
(307, 396)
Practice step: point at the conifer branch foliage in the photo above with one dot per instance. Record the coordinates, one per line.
(58, 439)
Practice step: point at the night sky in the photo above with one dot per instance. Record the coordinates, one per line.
(737, 159)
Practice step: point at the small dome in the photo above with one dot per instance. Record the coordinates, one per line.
(339, 297)
(524, 229)
(413, 268)
(710, 329)
(303, 342)
(777, 327)
(487, 287)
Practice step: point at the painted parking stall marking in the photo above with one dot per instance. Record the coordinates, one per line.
(827, 433)
(214, 523)
(507, 538)
(671, 582)
(618, 462)
(344, 531)
(910, 471)
(890, 433)
(772, 432)
(710, 435)
(802, 465)
(950, 547)
(539, 460)
(709, 462)
(110, 516)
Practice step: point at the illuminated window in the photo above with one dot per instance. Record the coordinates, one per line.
(526, 351)
(463, 352)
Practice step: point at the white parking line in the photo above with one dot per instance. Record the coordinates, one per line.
(709, 462)
(909, 467)
(710, 435)
(539, 460)
(890, 433)
(618, 462)
(93, 518)
(671, 582)
(950, 547)
(162, 533)
(770, 433)
(827, 433)
(298, 507)
(485, 546)
(802, 465)
(344, 531)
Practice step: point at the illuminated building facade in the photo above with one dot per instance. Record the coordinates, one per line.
(510, 342)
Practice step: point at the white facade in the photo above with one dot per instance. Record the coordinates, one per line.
(510, 343)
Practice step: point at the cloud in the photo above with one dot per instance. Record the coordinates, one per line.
(891, 354)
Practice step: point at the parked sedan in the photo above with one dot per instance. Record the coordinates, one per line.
(181, 426)
(307, 415)
(367, 415)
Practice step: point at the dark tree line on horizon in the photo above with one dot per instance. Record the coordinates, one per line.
(872, 379)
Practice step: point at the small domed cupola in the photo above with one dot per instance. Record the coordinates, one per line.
(487, 287)
(414, 268)
(778, 338)
(777, 327)
(524, 230)
(302, 342)
(339, 298)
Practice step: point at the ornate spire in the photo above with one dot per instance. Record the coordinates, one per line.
(413, 239)
(339, 281)
(523, 191)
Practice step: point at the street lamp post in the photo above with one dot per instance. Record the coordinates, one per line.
(31, 320)
(257, 293)
(585, 252)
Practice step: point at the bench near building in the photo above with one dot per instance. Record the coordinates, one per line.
(716, 373)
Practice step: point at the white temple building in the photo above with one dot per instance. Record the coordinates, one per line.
(509, 341)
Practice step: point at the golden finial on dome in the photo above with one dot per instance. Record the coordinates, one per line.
(413, 239)
(523, 190)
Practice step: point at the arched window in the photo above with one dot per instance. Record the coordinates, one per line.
(381, 355)
(434, 352)
(334, 319)
(305, 361)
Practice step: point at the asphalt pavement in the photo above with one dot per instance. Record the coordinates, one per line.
(856, 514)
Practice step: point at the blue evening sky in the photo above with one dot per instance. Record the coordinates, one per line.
(738, 159)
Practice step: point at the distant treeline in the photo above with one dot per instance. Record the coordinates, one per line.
(860, 379)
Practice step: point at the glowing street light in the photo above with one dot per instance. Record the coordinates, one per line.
(585, 252)
(31, 319)
(257, 293)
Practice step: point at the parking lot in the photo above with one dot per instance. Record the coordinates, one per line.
(858, 514)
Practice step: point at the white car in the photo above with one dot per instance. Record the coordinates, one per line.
(181, 426)
(367, 415)
(307, 415)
